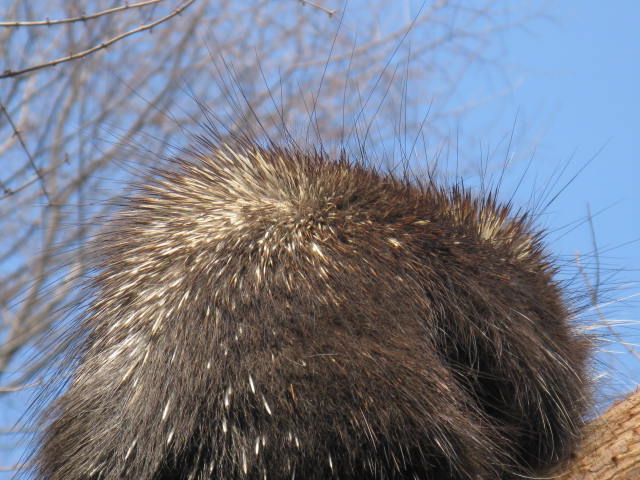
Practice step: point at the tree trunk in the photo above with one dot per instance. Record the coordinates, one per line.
(611, 447)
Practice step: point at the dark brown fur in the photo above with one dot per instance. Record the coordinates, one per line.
(273, 313)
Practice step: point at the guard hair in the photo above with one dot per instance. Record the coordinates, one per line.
(264, 311)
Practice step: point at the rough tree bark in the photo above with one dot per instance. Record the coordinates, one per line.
(611, 447)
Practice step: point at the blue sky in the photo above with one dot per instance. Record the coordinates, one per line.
(578, 80)
(582, 75)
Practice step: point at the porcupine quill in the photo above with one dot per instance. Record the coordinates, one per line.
(279, 312)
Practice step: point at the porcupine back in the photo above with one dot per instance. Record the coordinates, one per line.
(265, 312)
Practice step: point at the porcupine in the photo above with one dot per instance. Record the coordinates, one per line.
(279, 312)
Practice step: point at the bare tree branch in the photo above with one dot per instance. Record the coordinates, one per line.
(81, 18)
(103, 45)
(611, 447)
(316, 5)
(16, 132)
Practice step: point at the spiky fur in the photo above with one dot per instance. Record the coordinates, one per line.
(265, 312)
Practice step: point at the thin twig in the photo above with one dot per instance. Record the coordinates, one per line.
(315, 5)
(108, 43)
(16, 132)
(80, 18)
(19, 388)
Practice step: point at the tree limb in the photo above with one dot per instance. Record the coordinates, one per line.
(611, 447)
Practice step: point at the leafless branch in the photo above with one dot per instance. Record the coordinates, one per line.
(103, 45)
(80, 18)
(16, 132)
(316, 5)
